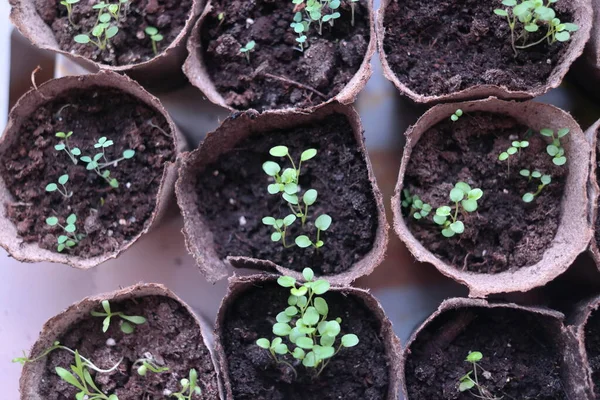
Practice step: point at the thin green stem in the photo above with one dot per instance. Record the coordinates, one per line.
(535, 43)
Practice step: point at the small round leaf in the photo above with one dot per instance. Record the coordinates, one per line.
(349, 340)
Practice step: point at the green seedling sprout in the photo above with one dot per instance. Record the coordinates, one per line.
(471, 379)
(515, 148)
(286, 183)
(69, 6)
(555, 149)
(71, 237)
(95, 164)
(545, 180)
(300, 27)
(126, 326)
(529, 16)
(104, 30)
(245, 50)
(148, 363)
(155, 37)
(415, 205)
(465, 200)
(352, 6)
(83, 381)
(189, 387)
(74, 152)
(457, 114)
(62, 189)
(304, 325)
(319, 11)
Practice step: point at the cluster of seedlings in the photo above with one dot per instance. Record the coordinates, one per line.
(527, 17)
(80, 377)
(286, 183)
(98, 163)
(305, 326)
(110, 15)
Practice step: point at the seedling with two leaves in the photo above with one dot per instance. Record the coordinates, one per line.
(69, 6)
(62, 189)
(126, 324)
(515, 148)
(304, 325)
(83, 381)
(471, 379)
(417, 208)
(465, 201)
(545, 180)
(245, 50)
(155, 37)
(148, 363)
(95, 164)
(74, 152)
(555, 149)
(189, 387)
(71, 237)
(457, 114)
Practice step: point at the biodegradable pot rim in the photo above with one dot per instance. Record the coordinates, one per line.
(54, 327)
(31, 252)
(239, 284)
(26, 19)
(195, 70)
(198, 236)
(593, 189)
(574, 231)
(582, 11)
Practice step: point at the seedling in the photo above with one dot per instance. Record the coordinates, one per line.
(512, 150)
(62, 189)
(555, 149)
(320, 11)
(304, 324)
(352, 6)
(103, 31)
(300, 27)
(83, 381)
(126, 327)
(189, 387)
(528, 17)
(94, 163)
(471, 379)
(71, 237)
(465, 200)
(457, 114)
(74, 152)
(69, 6)
(245, 50)
(416, 207)
(155, 37)
(545, 180)
(147, 363)
(322, 223)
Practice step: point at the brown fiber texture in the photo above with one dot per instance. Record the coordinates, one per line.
(582, 13)
(58, 325)
(574, 229)
(197, 73)
(553, 329)
(27, 105)
(237, 287)
(593, 189)
(199, 239)
(163, 71)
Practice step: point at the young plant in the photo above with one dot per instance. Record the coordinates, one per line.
(319, 11)
(555, 149)
(155, 37)
(465, 201)
(300, 27)
(529, 16)
(94, 163)
(147, 363)
(545, 180)
(103, 31)
(74, 152)
(416, 207)
(471, 379)
(62, 180)
(304, 325)
(512, 150)
(189, 387)
(69, 6)
(126, 327)
(457, 114)
(352, 6)
(71, 237)
(83, 381)
(322, 223)
(245, 50)
(280, 226)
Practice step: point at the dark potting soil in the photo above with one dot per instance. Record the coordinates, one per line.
(170, 335)
(505, 232)
(440, 47)
(233, 198)
(592, 346)
(328, 63)
(107, 217)
(523, 363)
(131, 45)
(357, 373)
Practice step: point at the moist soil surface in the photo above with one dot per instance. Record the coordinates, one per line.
(328, 63)
(441, 47)
(233, 198)
(170, 335)
(131, 45)
(357, 373)
(108, 217)
(505, 233)
(592, 346)
(523, 363)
